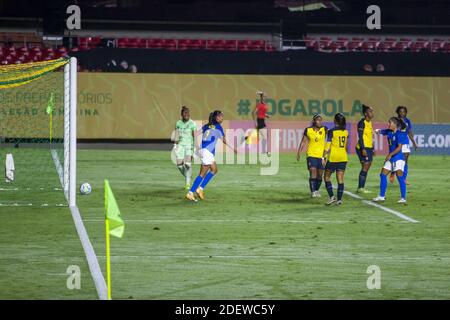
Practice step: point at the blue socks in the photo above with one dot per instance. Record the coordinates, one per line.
(312, 184)
(402, 184)
(362, 179)
(196, 184)
(329, 187)
(201, 182)
(318, 184)
(340, 191)
(383, 185)
(207, 178)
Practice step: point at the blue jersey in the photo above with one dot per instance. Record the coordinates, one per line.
(211, 134)
(395, 139)
(408, 127)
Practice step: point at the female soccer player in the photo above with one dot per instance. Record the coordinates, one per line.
(364, 146)
(395, 160)
(184, 144)
(260, 112)
(315, 136)
(402, 112)
(336, 153)
(211, 133)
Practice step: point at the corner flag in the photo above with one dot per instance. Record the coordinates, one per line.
(114, 226)
(49, 110)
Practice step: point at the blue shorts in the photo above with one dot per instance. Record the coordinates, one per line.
(312, 162)
(369, 157)
(335, 166)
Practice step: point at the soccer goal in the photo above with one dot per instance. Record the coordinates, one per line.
(38, 133)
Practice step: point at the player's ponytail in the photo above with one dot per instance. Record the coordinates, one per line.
(399, 123)
(341, 123)
(212, 117)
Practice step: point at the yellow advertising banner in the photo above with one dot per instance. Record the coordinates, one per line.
(146, 106)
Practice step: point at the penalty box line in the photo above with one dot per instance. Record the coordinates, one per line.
(376, 205)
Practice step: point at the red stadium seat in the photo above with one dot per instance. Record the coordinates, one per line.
(354, 45)
(338, 46)
(385, 46)
(310, 43)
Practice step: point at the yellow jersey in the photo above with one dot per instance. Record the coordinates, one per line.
(337, 143)
(316, 141)
(365, 134)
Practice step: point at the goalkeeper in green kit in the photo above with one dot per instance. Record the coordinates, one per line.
(184, 143)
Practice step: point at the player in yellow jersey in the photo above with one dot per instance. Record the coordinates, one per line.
(335, 157)
(364, 146)
(315, 137)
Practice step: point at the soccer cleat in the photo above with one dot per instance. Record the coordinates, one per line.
(402, 201)
(339, 202)
(187, 186)
(190, 196)
(318, 194)
(200, 193)
(392, 178)
(313, 194)
(331, 200)
(363, 190)
(378, 199)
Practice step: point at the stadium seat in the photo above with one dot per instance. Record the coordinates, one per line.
(354, 45)
(385, 46)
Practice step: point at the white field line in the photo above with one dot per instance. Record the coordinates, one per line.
(227, 221)
(371, 203)
(92, 260)
(30, 189)
(262, 256)
(32, 205)
(94, 267)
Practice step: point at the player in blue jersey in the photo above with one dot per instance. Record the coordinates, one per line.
(211, 133)
(395, 160)
(402, 112)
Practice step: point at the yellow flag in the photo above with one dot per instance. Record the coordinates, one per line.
(116, 224)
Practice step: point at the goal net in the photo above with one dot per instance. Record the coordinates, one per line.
(37, 126)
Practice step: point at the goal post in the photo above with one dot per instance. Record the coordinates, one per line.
(38, 111)
(72, 131)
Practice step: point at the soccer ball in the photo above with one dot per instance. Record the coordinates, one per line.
(85, 188)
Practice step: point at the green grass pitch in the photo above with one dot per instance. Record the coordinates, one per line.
(254, 237)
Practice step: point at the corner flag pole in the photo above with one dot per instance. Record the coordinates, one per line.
(108, 255)
(114, 226)
(108, 260)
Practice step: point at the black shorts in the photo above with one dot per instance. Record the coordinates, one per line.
(260, 123)
(369, 157)
(335, 166)
(312, 162)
